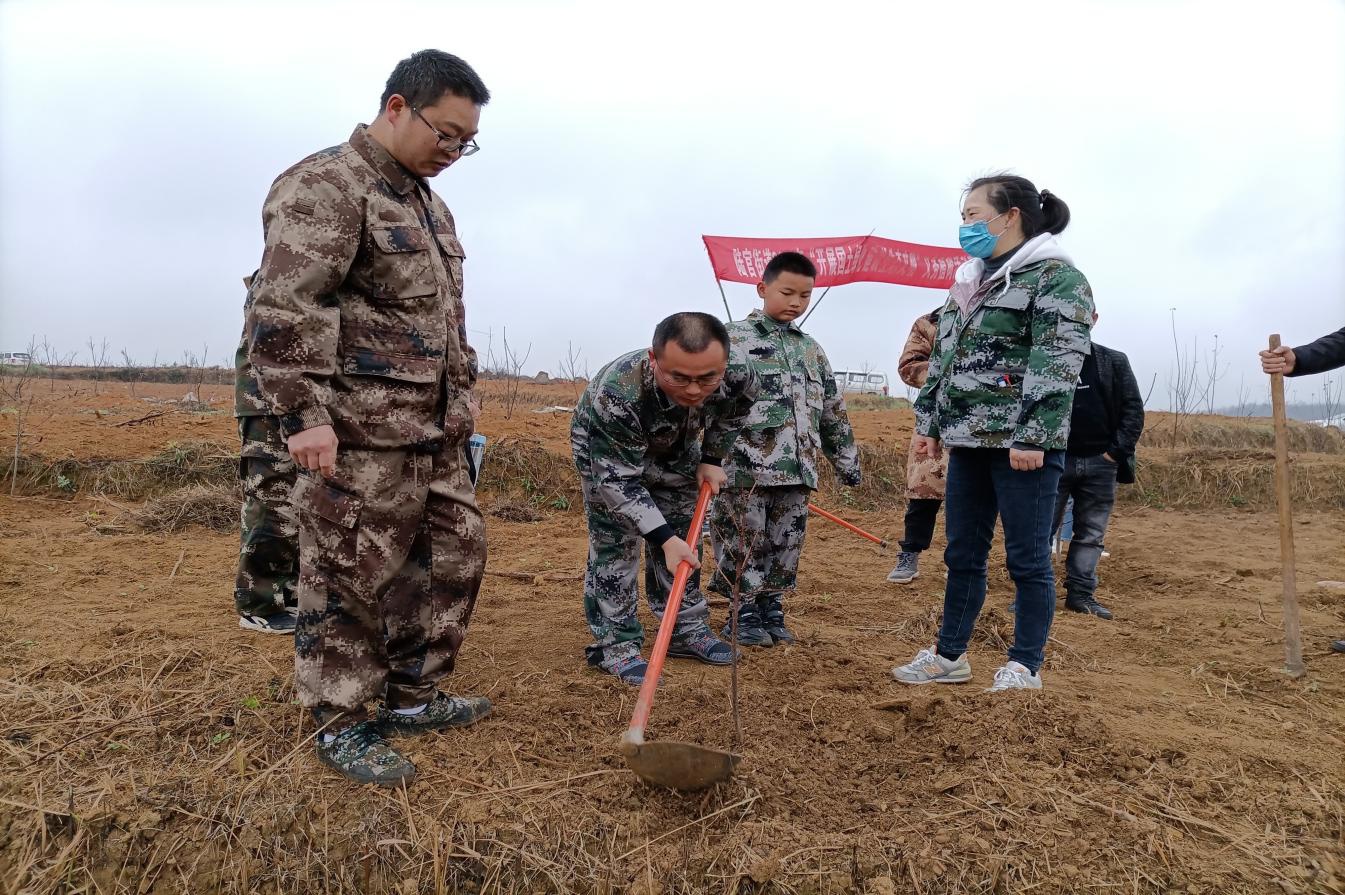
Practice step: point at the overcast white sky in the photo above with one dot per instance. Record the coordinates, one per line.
(1200, 145)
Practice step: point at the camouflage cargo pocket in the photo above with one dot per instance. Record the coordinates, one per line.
(396, 354)
(400, 267)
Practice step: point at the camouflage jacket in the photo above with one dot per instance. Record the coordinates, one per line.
(628, 437)
(913, 365)
(798, 415)
(355, 317)
(1003, 372)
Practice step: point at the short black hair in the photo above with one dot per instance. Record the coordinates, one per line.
(692, 330)
(1043, 212)
(423, 78)
(789, 262)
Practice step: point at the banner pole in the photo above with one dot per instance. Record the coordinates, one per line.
(828, 289)
(727, 312)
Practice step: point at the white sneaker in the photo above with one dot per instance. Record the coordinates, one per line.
(928, 667)
(1015, 676)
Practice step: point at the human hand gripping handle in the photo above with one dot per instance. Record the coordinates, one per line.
(634, 736)
(314, 449)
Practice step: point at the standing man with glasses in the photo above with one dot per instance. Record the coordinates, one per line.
(356, 332)
(650, 427)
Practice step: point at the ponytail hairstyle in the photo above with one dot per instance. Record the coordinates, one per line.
(1043, 212)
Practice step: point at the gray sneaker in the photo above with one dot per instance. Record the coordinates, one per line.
(928, 667)
(1015, 676)
(906, 570)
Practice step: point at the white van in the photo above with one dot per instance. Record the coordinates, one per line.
(15, 358)
(863, 383)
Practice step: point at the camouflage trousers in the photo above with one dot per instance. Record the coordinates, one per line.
(392, 549)
(758, 536)
(268, 553)
(926, 479)
(611, 591)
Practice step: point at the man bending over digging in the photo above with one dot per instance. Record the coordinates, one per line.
(651, 426)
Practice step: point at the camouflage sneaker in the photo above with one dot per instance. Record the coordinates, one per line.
(629, 669)
(751, 631)
(773, 619)
(703, 646)
(443, 711)
(361, 754)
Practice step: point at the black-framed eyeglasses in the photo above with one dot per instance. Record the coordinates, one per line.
(447, 143)
(681, 380)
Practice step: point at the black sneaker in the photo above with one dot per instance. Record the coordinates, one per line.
(1088, 605)
(773, 620)
(703, 646)
(361, 754)
(281, 622)
(444, 711)
(751, 630)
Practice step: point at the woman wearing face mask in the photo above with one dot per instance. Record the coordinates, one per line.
(1012, 338)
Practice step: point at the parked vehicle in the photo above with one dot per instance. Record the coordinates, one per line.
(861, 382)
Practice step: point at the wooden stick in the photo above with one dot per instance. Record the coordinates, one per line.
(1293, 642)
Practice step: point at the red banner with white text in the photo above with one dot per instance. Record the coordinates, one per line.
(839, 260)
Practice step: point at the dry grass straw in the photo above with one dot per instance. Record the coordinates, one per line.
(216, 507)
(525, 470)
(1203, 432)
(1233, 479)
(156, 766)
(179, 465)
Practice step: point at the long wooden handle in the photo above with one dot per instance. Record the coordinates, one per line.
(645, 701)
(843, 524)
(1293, 641)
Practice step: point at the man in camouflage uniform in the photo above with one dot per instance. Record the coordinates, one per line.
(268, 556)
(925, 476)
(357, 334)
(650, 427)
(1011, 341)
(761, 518)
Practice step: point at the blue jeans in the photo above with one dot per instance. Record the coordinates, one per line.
(981, 487)
(1091, 481)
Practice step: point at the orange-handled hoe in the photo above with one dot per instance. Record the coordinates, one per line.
(684, 766)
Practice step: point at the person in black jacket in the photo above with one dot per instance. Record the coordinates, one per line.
(1327, 353)
(1105, 426)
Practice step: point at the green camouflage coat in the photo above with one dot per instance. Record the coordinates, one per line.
(1003, 373)
(628, 437)
(799, 414)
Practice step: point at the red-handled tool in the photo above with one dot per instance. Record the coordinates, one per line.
(855, 528)
(684, 766)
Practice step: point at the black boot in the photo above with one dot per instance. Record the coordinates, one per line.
(750, 630)
(772, 611)
(1087, 605)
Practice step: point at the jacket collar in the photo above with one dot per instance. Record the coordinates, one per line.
(401, 180)
(767, 325)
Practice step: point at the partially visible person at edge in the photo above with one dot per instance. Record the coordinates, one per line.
(925, 475)
(1012, 338)
(650, 428)
(266, 584)
(1105, 425)
(1327, 353)
(357, 334)
(760, 520)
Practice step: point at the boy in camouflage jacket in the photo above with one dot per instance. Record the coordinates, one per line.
(760, 519)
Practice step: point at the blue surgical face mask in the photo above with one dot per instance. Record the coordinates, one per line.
(976, 238)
